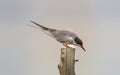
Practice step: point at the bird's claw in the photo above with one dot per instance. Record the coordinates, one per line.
(66, 46)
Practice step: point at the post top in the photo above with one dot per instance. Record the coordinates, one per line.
(68, 48)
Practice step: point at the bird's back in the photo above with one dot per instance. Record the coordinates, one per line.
(64, 36)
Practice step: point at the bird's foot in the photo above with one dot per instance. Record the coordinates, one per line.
(66, 46)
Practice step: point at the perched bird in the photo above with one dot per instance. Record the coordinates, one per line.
(63, 36)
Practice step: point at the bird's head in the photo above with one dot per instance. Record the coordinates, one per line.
(79, 43)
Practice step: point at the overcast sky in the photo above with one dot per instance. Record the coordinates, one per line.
(25, 50)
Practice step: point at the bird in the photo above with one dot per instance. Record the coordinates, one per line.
(62, 36)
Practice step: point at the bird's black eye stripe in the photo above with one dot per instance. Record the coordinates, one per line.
(77, 40)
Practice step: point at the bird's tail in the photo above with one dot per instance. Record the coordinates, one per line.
(45, 28)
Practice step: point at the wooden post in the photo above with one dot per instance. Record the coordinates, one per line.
(66, 65)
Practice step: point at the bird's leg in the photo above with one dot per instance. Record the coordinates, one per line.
(66, 45)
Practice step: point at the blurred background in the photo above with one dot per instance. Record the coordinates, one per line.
(25, 50)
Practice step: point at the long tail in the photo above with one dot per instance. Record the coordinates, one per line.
(45, 28)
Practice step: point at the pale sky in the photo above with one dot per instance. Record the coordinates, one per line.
(25, 50)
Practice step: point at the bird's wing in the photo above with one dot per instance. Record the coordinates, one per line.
(63, 36)
(46, 30)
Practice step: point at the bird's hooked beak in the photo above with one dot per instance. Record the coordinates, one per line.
(82, 47)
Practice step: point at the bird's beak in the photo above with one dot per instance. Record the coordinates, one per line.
(82, 47)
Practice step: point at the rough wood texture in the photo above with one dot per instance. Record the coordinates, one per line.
(66, 65)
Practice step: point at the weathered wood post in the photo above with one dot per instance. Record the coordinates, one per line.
(67, 61)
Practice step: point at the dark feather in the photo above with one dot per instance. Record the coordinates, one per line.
(78, 41)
